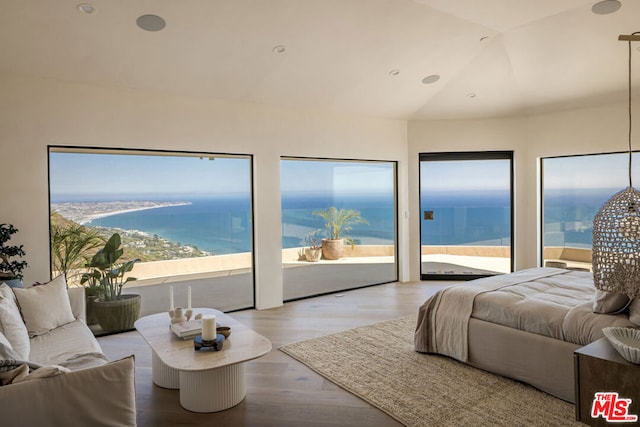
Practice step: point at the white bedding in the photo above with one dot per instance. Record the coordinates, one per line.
(551, 302)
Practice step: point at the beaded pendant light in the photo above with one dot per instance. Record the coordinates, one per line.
(616, 230)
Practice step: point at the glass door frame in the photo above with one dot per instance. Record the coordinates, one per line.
(466, 155)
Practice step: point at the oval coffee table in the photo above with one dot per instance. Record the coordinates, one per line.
(209, 381)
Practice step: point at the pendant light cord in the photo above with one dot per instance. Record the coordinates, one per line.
(630, 120)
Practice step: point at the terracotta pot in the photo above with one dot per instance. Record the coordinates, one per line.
(313, 255)
(332, 249)
(119, 314)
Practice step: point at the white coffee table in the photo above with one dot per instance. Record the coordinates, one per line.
(208, 381)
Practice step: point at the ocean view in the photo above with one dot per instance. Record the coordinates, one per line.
(222, 225)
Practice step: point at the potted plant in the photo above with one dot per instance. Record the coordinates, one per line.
(71, 246)
(114, 311)
(337, 223)
(10, 270)
(313, 253)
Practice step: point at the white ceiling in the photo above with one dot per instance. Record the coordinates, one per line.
(538, 54)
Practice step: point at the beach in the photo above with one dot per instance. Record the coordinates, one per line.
(85, 212)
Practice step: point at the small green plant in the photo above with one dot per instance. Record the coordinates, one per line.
(313, 239)
(339, 221)
(107, 273)
(10, 269)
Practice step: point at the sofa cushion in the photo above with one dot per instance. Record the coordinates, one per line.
(102, 396)
(11, 324)
(61, 344)
(44, 307)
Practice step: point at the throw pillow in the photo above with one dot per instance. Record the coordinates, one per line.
(634, 311)
(12, 325)
(6, 350)
(609, 302)
(45, 307)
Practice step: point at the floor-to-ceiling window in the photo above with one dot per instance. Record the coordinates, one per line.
(186, 216)
(573, 190)
(356, 198)
(466, 214)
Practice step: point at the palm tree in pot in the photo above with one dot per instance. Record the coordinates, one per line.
(71, 247)
(114, 310)
(337, 223)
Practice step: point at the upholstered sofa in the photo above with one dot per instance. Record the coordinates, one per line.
(52, 369)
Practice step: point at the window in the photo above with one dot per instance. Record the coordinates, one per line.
(187, 216)
(466, 214)
(573, 190)
(364, 189)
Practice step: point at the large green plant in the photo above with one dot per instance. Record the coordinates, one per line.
(71, 246)
(10, 269)
(107, 273)
(339, 221)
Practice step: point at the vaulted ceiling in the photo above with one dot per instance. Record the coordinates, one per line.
(369, 57)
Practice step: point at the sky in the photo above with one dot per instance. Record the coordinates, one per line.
(602, 171)
(331, 177)
(460, 175)
(74, 175)
(93, 176)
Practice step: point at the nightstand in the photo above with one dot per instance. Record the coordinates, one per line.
(599, 368)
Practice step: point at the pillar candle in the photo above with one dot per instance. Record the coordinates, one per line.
(208, 328)
(171, 298)
(189, 298)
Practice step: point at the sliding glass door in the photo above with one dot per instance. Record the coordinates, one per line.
(466, 210)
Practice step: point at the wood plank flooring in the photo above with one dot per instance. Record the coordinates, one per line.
(281, 391)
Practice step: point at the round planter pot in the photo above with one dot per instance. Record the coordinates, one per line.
(90, 311)
(117, 315)
(313, 255)
(332, 249)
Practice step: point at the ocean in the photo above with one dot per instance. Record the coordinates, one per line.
(223, 225)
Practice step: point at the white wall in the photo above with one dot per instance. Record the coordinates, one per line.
(581, 131)
(37, 112)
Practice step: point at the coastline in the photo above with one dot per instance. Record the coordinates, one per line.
(85, 212)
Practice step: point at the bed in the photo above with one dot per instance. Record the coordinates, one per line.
(524, 325)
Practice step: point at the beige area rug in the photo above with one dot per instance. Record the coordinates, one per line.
(378, 364)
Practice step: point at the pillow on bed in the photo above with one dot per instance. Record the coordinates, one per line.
(634, 311)
(609, 302)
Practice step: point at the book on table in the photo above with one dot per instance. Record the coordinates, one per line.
(189, 329)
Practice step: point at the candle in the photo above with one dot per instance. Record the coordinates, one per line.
(189, 298)
(171, 298)
(208, 328)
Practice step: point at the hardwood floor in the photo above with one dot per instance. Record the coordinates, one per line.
(281, 391)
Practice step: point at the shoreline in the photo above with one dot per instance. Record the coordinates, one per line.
(85, 212)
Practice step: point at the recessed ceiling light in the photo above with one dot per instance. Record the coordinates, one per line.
(86, 8)
(471, 95)
(431, 79)
(606, 7)
(484, 39)
(151, 22)
(279, 49)
(394, 72)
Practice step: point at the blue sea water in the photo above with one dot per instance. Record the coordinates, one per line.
(223, 225)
